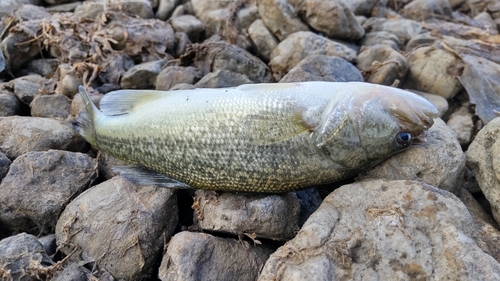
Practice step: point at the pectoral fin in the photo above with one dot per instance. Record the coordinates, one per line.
(145, 176)
(124, 101)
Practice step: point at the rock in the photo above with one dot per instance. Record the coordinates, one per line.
(90, 10)
(9, 6)
(190, 25)
(19, 135)
(3, 62)
(165, 8)
(381, 37)
(55, 106)
(201, 254)
(173, 75)
(74, 272)
(382, 65)
(179, 11)
(39, 185)
(27, 87)
(323, 68)
(63, 8)
(181, 43)
(431, 71)
(404, 29)
(4, 165)
(142, 76)
(213, 56)
(43, 67)
(423, 39)
(49, 244)
(31, 12)
(482, 160)
(18, 47)
(222, 79)
(200, 7)
(77, 104)
(488, 22)
(22, 258)
(9, 104)
(58, 2)
(182, 86)
(310, 200)
(461, 123)
(299, 45)
(106, 163)
(263, 39)
(318, 14)
(280, 18)
(439, 162)
(363, 7)
(438, 101)
(267, 216)
(69, 80)
(388, 229)
(421, 10)
(135, 220)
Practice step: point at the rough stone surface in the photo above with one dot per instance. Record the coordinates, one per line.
(190, 25)
(4, 165)
(55, 106)
(9, 104)
(90, 10)
(142, 76)
(222, 79)
(267, 216)
(166, 8)
(381, 64)
(280, 18)
(173, 75)
(106, 163)
(404, 29)
(299, 45)
(43, 67)
(420, 10)
(19, 135)
(385, 230)
(462, 124)
(482, 160)
(264, 40)
(381, 37)
(119, 226)
(439, 162)
(15, 55)
(212, 258)
(39, 185)
(323, 68)
(27, 87)
(181, 44)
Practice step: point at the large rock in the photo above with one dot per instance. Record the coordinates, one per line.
(382, 64)
(39, 185)
(280, 18)
(439, 161)
(54, 106)
(19, 135)
(190, 25)
(4, 165)
(263, 39)
(222, 79)
(9, 104)
(385, 230)
(142, 76)
(27, 87)
(404, 29)
(173, 75)
(119, 226)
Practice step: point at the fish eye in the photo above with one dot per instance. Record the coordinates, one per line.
(403, 139)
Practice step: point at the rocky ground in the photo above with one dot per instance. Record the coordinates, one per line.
(429, 213)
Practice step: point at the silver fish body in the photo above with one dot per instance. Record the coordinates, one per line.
(257, 138)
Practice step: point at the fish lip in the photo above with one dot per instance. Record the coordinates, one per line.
(420, 138)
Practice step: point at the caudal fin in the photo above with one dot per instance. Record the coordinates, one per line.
(84, 123)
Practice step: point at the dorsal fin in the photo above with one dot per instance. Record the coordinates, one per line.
(267, 86)
(123, 101)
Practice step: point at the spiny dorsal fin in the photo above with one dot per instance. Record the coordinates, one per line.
(144, 176)
(123, 101)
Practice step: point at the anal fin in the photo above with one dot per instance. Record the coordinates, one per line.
(144, 176)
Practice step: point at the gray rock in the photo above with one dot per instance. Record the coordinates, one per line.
(18, 47)
(333, 18)
(142, 76)
(179, 11)
(488, 22)
(222, 79)
(27, 87)
(19, 135)
(438, 101)
(263, 39)
(39, 185)
(421, 10)
(73, 272)
(268, 216)
(64, 8)
(43, 67)
(404, 29)
(382, 65)
(364, 7)
(69, 80)
(310, 200)
(4, 165)
(482, 160)
(280, 18)
(439, 162)
(55, 106)
(106, 162)
(420, 40)
(181, 44)
(9, 104)
(58, 2)
(49, 243)
(77, 105)
(90, 10)
(381, 37)
(190, 25)
(461, 123)
(323, 68)
(173, 75)
(385, 230)
(9, 6)
(299, 45)
(191, 256)
(165, 8)
(3, 62)
(31, 12)
(135, 220)
(202, 6)
(22, 258)
(430, 71)
(183, 86)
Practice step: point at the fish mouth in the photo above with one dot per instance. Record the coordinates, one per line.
(420, 138)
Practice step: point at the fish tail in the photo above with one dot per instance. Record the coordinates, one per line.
(85, 121)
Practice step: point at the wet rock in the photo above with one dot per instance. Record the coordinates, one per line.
(142, 76)
(39, 185)
(420, 10)
(438, 101)
(385, 229)
(222, 79)
(323, 68)
(482, 160)
(166, 8)
(299, 45)
(181, 44)
(4, 165)
(22, 258)
(404, 29)
(318, 14)
(19, 135)
(280, 18)
(200, 254)
(106, 163)
(381, 37)
(213, 56)
(382, 65)
(190, 25)
(431, 70)
(90, 10)
(461, 123)
(263, 39)
(18, 47)
(43, 67)
(136, 220)
(54, 106)
(9, 104)
(268, 216)
(27, 87)
(173, 75)
(439, 162)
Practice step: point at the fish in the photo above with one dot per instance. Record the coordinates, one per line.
(269, 138)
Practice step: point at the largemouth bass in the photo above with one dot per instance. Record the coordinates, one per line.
(254, 138)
